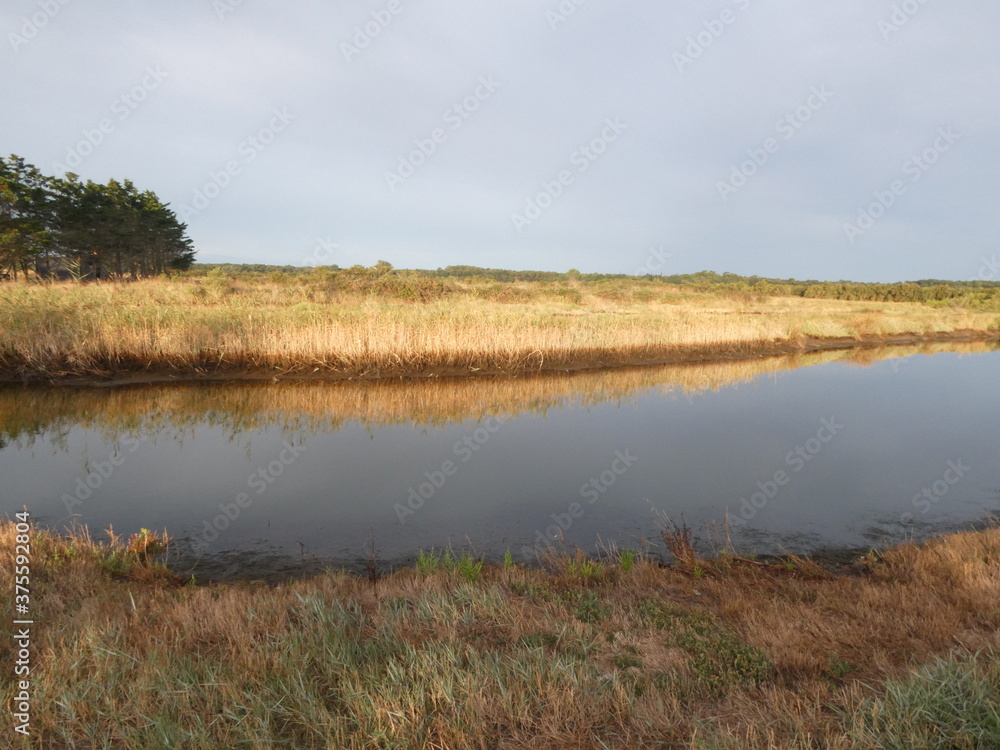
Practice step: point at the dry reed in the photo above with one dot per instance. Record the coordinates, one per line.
(220, 325)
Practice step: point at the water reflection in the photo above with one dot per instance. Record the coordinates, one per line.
(28, 414)
(292, 476)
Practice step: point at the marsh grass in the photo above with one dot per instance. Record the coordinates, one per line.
(627, 559)
(679, 540)
(750, 655)
(142, 555)
(952, 703)
(467, 566)
(373, 329)
(583, 567)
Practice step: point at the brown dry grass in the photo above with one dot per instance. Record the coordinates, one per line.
(194, 326)
(577, 655)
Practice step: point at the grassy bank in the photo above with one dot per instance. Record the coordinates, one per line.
(897, 651)
(321, 324)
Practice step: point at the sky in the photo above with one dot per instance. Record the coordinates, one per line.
(831, 139)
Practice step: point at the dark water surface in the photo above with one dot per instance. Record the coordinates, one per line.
(806, 454)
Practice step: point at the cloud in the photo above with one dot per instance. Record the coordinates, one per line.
(751, 63)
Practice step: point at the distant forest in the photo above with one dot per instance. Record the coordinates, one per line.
(975, 294)
(65, 228)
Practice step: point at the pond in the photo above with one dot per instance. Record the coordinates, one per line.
(835, 450)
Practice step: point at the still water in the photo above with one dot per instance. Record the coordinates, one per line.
(834, 450)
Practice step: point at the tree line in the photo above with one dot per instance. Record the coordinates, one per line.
(936, 292)
(67, 228)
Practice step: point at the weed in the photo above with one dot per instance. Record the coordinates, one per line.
(584, 567)
(656, 614)
(427, 562)
(680, 541)
(627, 559)
(837, 667)
(147, 544)
(589, 608)
(448, 560)
(871, 559)
(536, 592)
(719, 659)
(469, 567)
(465, 564)
(115, 563)
(625, 661)
(59, 555)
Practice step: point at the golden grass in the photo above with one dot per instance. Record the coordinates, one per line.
(582, 654)
(198, 326)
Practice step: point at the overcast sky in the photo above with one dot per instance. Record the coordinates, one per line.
(826, 139)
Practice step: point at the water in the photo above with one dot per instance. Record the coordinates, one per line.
(804, 454)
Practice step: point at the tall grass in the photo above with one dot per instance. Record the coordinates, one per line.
(306, 325)
(952, 703)
(462, 656)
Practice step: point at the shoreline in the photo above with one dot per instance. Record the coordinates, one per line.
(220, 370)
(617, 651)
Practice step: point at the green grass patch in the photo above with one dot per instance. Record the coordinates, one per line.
(589, 608)
(953, 703)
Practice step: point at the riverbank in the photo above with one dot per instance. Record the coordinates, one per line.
(895, 650)
(153, 373)
(219, 328)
